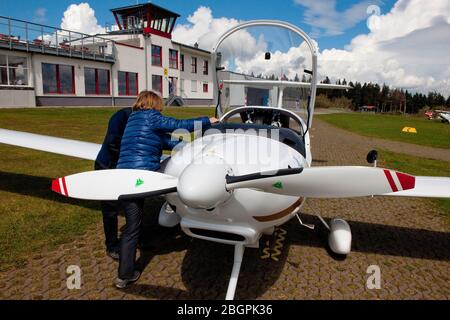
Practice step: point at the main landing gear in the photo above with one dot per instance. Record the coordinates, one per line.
(339, 235)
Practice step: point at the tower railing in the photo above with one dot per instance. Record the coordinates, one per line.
(33, 37)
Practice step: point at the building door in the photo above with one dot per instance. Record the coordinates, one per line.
(173, 86)
(257, 97)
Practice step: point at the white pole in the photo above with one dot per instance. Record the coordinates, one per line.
(238, 255)
(280, 96)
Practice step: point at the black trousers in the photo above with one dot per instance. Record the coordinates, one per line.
(130, 237)
(110, 210)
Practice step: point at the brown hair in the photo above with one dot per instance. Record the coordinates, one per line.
(148, 100)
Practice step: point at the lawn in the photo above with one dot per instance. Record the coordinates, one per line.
(430, 133)
(419, 167)
(31, 216)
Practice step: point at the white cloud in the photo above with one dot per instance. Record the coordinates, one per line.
(246, 51)
(77, 18)
(407, 47)
(40, 15)
(204, 29)
(289, 63)
(81, 18)
(324, 18)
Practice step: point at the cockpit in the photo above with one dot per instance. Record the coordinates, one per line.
(265, 116)
(273, 123)
(266, 83)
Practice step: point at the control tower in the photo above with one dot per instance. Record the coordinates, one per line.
(145, 19)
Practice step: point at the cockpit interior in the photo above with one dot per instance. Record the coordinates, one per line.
(263, 120)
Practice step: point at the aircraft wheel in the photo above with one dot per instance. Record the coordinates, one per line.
(339, 239)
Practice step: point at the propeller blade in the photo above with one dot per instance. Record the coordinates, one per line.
(427, 187)
(326, 182)
(111, 185)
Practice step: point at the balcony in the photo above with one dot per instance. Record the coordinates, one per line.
(32, 37)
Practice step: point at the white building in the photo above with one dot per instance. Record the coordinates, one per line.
(45, 66)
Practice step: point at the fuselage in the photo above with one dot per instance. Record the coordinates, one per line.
(244, 214)
(445, 117)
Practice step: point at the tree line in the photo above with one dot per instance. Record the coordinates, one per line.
(386, 99)
(382, 97)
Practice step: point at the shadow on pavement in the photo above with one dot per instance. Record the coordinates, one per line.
(206, 266)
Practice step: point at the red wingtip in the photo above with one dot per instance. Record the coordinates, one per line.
(408, 182)
(55, 186)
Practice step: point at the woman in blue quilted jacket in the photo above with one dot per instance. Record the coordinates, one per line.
(146, 135)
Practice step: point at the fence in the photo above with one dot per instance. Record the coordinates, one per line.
(32, 37)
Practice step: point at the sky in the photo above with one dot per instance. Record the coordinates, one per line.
(404, 43)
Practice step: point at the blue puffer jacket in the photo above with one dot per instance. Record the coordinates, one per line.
(146, 136)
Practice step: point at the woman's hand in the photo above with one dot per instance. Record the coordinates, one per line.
(213, 120)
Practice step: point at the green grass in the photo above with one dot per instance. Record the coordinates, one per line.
(430, 133)
(419, 167)
(31, 216)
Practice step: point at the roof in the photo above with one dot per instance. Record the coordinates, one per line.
(191, 47)
(145, 5)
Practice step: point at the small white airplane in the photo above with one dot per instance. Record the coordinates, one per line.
(235, 183)
(444, 115)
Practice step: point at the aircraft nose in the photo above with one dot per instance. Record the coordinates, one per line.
(203, 185)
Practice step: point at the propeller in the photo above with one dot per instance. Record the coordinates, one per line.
(325, 182)
(208, 185)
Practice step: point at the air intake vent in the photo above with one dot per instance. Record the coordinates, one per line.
(218, 235)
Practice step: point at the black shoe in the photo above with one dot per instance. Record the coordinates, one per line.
(123, 283)
(113, 255)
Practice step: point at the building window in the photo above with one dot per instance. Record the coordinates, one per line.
(205, 67)
(97, 81)
(128, 83)
(205, 87)
(13, 70)
(58, 79)
(194, 65)
(182, 62)
(173, 59)
(194, 85)
(156, 56)
(157, 84)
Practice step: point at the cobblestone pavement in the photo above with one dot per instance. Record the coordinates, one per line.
(408, 239)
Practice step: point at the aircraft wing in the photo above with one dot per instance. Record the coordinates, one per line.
(427, 187)
(286, 84)
(66, 147)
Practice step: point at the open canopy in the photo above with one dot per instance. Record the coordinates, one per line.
(266, 63)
